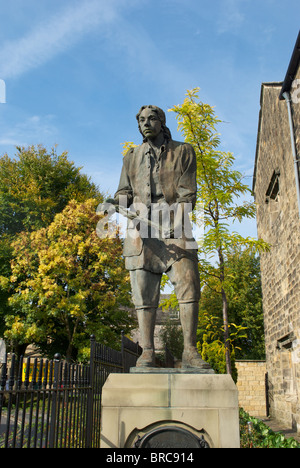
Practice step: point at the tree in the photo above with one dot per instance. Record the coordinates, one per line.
(37, 185)
(213, 352)
(34, 187)
(172, 338)
(67, 284)
(245, 313)
(220, 189)
(245, 302)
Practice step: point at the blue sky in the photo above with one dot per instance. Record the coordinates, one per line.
(77, 72)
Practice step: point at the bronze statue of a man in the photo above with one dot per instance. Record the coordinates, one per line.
(161, 173)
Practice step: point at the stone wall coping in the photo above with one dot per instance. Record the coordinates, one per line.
(250, 360)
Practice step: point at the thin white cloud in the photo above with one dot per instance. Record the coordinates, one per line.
(231, 18)
(55, 35)
(32, 129)
(7, 141)
(143, 57)
(66, 28)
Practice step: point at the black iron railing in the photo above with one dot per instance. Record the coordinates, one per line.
(52, 404)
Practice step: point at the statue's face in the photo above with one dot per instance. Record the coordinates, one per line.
(150, 124)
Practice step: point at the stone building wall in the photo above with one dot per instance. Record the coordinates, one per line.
(278, 223)
(296, 108)
(251, 387)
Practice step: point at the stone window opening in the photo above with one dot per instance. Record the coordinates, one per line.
(273, 191)
(286, 342)
(273, 197)
(174, 314)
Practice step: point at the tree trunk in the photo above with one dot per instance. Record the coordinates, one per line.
(69, 353)
(19, 350)
(226, 333)
(225, 312)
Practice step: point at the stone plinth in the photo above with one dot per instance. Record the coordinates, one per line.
(135, 404)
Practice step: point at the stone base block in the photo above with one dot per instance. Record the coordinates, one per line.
(169, 405)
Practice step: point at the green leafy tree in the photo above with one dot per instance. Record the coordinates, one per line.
(34, 187)
(172, 337)
(214, 354)
(37, 185)
(67, 284)
(245, 302)
(243, 289)
(221, 198)
(210, 339)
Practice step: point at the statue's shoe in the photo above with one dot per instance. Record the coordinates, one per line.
(147, 359)
(191, 358)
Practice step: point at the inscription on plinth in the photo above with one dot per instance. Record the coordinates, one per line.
(170, 437)
(169, 411)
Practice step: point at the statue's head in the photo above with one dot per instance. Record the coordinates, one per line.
(161, 117)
